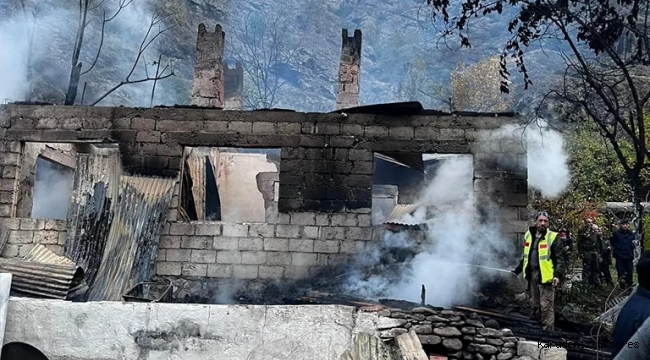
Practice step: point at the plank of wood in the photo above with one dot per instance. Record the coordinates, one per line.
(410, 346)
(367, 347)
(4, 237)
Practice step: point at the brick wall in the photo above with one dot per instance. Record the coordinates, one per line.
(325, 177)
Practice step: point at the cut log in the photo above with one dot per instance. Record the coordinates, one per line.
(410, 347)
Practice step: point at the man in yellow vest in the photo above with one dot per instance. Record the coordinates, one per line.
(543, 266)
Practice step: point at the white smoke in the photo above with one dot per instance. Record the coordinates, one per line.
(13, 53)
(548, 169)
(36, 48)
(52, 190)
(456, 236)
(547, 161)
(463, 245)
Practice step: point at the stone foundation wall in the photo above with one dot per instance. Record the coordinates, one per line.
(451, 333)
(325, 179)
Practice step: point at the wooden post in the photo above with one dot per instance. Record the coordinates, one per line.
(410, 346)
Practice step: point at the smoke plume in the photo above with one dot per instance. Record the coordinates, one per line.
(547, 161)
(456, 236)
(12, 71)
(52, 190)
(463, 246)
(548, 171)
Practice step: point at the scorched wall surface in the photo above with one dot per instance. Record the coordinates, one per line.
(115, 331)
(325, 178)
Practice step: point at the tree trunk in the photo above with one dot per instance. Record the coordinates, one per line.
(71, 94)
(638, 213)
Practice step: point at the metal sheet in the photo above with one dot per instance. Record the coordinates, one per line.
(40, 253)
(396, 108)
(413, 161)
(89, 215)
(134, 235)
(400, 214)
(55, 281)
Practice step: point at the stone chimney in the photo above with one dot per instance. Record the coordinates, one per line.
(234, 87)
(208, 83)
(347, 92)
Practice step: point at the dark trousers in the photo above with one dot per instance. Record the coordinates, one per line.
(625, 269)
(590, 268)
(606, 275)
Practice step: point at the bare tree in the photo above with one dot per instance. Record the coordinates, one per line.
(86, 10)
(607, 57)
(261, 44)
(167, 70)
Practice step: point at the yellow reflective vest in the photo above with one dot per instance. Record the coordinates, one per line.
(544, 252)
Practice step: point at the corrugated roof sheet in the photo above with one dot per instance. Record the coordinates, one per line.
(402, 214)
(40, 253)
(89, 215)
(44, 274)
(132, 243)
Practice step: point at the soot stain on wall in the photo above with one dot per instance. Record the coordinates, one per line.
(171, 340)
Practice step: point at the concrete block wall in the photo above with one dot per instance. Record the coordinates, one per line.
(298, 245)
(325, 176)
(26, 233)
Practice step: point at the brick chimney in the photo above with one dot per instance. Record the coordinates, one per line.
(234, 87)
(208, 83)
(347, 92)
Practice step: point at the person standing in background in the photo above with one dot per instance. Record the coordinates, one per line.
(565, 236)
(604, 258)
(622, 242)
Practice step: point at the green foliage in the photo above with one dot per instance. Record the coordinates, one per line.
(596, 172)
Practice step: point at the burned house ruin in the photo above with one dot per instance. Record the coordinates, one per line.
(198, 195)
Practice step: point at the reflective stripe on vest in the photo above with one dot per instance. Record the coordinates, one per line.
(544, 253)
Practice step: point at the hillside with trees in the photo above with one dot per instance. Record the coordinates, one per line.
(290, 52)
